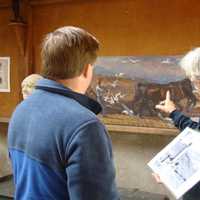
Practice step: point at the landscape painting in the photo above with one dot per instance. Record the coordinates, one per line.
(129, 87)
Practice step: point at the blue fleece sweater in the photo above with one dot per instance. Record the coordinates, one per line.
(58, 147)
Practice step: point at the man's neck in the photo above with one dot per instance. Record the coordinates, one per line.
(73, 84)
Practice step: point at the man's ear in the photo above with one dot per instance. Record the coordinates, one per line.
(87, 70)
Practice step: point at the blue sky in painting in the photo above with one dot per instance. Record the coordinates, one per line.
(156, 69)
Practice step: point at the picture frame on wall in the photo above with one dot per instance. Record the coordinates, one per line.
(4, 74)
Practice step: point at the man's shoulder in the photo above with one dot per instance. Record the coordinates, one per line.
(53, 111)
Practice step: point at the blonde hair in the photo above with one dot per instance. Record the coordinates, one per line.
(190, 63)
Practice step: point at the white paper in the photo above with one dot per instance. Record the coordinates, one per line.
(178, 164)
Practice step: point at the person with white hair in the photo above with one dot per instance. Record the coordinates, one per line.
(29, 83)
(190, 63)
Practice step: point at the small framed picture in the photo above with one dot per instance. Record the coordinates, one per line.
(4, 74)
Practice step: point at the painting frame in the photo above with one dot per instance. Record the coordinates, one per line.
(111, 73)
(5, 74)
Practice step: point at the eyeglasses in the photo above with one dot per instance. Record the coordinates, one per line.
(194, 78)
(195, 82)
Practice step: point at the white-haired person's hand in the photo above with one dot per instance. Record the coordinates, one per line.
(167, 105)
(157, 178)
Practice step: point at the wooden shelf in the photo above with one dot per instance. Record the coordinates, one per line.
(142, 130)
(136, 125)
(4, 120)
(124, 129)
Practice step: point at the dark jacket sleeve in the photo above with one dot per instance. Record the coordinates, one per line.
(90, 169)
(181, 121)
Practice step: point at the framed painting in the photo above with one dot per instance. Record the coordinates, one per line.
(4, 74)
(129, 87)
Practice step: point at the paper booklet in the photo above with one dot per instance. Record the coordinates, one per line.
(178, 164)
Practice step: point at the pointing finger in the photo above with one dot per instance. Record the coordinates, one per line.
(160, 107)
(168, 96)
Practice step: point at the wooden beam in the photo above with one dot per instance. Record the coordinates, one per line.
(5, 4)
(46, 2)
(29, 43)
(142, 130)
(4, 119)
(20, 32)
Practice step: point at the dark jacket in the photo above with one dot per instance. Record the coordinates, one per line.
(181, 122)
(58, 147)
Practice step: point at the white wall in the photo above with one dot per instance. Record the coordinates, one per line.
(132, 152)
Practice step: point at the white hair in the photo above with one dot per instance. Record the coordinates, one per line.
(29, 83)
(31, 80)
(190, 63)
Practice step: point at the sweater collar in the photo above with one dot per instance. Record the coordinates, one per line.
(58, 88)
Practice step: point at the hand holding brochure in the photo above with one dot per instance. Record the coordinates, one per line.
(178, 164)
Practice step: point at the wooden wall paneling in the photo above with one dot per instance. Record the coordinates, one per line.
(16, 43)
(125, 27)
(5, 4)
(19, 29)
(29, 45)
(129, 27)
(8, 101)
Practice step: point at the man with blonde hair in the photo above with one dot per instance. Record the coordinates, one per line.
(58, 147)
(190, 63)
